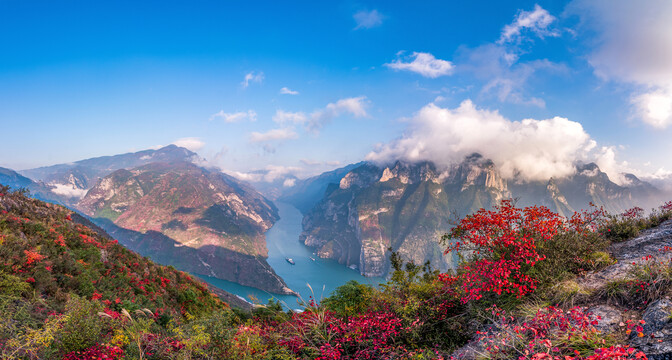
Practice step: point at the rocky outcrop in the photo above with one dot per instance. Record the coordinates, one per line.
(657, 340)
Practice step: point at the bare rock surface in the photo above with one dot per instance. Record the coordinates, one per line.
(632, 252)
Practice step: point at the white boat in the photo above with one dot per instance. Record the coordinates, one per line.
(289, 260)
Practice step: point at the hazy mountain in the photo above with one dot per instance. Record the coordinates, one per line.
(306, 193)
(202, 221)
(73, 179)
(409, 206)
(13, 179)
(37, 190)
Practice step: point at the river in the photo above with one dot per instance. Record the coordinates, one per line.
(282, 240)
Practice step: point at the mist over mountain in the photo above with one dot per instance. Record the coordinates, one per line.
(37, 190)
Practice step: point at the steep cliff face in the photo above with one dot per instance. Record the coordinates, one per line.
(408, 207)
(161, 207)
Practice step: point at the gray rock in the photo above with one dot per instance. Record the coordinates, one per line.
(632, 252)
(657, 339)
(657, 316)
(607, 317)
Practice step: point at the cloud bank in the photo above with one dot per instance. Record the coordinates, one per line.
(633, 45)
(528, 149)
(68, 190)
(283, 117)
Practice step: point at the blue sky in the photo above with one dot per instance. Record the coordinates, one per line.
(377, 80)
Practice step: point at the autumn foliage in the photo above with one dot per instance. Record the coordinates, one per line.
(70, 293)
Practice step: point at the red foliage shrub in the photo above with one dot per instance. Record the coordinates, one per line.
(96, 352)
(503, 243)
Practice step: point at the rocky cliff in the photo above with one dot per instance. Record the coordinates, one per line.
(407, 207)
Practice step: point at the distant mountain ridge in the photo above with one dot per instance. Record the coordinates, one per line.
(38, 190)
(408, 206)
(73, 179)
(306, 193)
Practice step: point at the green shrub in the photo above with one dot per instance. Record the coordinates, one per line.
(83, 327)
(12, 286)
(349, 299)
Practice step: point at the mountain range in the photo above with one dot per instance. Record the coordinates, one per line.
(407, 207)
(162, 204)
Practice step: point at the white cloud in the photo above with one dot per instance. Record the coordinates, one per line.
(189, 143)
(283, 117)
(287, 91)
(367, 19)
(660, 178)
(605, 158)
(498, 64)
(655, 107)
(536, 21)
(68, 190)
(289, 182)
(246, 176)
(424, 64)
(250, 115)
(633, 45)
(252, 77)
(274, 134)
(273, 172)
(529, 149)
(269, 174)
(355, 106)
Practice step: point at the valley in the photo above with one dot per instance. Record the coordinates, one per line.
(337, 226)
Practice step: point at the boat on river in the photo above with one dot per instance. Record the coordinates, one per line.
(289, 260)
